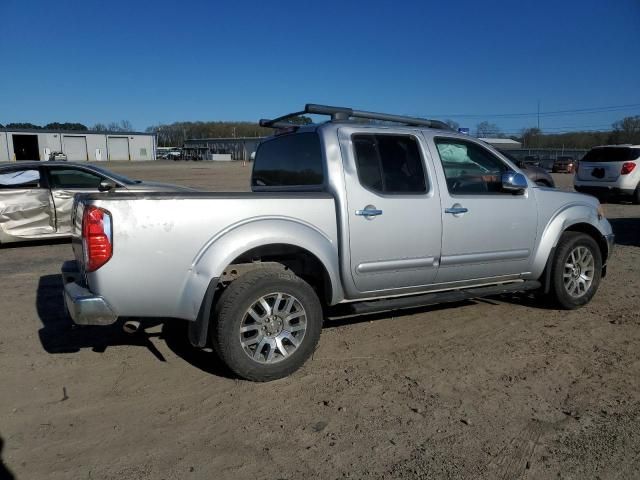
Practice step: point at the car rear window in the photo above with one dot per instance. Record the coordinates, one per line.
(611, 154)
(293, 160)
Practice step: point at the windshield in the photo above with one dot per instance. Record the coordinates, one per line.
(611, 154)
(117, 177)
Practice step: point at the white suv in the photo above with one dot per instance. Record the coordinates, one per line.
(610, 170)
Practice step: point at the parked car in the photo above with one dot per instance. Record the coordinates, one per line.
(564, 164)
(546, 163)
(536, 174)
(343, 218)
(612, 170)
(36, 197)
(57, 156)
(174, 155)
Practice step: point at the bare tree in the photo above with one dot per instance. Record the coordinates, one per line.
(487, 130)
(627, 130)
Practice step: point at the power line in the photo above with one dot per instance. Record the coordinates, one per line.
(577, 111)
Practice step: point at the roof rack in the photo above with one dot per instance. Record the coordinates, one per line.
(344, 113)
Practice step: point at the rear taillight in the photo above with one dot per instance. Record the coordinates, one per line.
(627, 168)
(96, 237)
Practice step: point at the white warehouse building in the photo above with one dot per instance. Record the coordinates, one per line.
(77, 145)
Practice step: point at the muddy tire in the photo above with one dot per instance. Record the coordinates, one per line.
(576, 271)
(267, 324)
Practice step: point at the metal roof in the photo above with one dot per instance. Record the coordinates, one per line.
(499, 140)
(74, 132)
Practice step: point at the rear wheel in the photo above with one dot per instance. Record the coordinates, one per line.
(267, 324)
(636, 195)
(576, 270)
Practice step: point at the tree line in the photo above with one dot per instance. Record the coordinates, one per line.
(626, 130)
(121, 126)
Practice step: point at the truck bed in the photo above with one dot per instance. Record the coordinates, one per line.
(163, 247)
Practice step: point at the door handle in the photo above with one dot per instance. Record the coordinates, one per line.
(63, 196)
(456, 210)
(368, 212)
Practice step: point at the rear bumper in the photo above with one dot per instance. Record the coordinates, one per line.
(603, 190)
(83, 306)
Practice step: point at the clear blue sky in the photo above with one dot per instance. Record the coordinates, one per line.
(163, 61)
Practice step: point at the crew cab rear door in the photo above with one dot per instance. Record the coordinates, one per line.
(393, 209)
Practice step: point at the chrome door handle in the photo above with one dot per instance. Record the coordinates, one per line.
(368, 212)
(456, 210)
(63, 196)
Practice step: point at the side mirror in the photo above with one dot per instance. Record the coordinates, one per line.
(106, 185)
(514, 182)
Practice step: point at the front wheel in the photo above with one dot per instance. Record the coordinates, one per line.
(267, 324)
(576, 270)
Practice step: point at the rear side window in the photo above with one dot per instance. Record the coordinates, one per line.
(289, 161)
(611, 154)
(20, 179)
(389, 164)
(72, 178)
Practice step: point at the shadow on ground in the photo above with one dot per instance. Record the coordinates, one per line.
(5, 473)
(35, 243)
(627, 231)
(60, 335)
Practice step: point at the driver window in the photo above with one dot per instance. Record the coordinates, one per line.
(469, 168)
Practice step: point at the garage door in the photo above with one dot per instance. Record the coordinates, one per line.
(75, 148)
(118, 148)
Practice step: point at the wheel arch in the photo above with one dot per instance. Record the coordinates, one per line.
(576, 217)
(296, 245)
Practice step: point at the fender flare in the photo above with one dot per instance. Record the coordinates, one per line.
(210, 262)
(562, 220)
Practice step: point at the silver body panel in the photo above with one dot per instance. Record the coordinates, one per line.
(168, 248)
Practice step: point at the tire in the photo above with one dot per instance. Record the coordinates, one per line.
(636, 195)
(542, 183)
(266, 333)
(571, 248)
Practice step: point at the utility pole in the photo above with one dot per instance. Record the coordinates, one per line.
(538, 114)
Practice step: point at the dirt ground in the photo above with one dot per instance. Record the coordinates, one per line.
(500, 388)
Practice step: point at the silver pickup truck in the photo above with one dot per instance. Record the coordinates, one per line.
(365, 212)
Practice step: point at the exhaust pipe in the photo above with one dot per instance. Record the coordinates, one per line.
(131, 326)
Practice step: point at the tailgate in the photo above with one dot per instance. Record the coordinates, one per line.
(599, 172)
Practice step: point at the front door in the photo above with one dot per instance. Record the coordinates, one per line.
(26, 209)
(486, 232)
(393, 210)
(65, 182)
